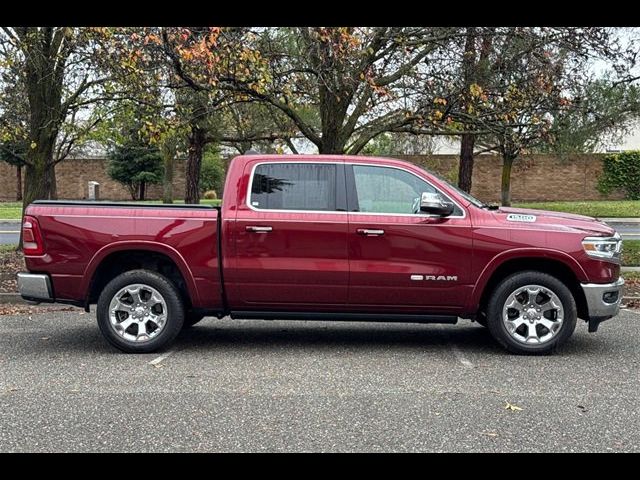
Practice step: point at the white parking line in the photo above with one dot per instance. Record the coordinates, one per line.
(156, 361)
(9, 231)
(466, 363)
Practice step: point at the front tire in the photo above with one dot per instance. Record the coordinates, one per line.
(531, 313)
(140, 311)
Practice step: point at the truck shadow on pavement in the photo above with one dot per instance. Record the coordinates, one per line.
(251, 335)
(326, 336)
(468, 337)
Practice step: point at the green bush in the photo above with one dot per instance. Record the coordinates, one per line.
(621, 170)
(212, 171)
(135, 164)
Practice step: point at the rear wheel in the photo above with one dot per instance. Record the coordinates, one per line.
(140, 311)
(531, 313)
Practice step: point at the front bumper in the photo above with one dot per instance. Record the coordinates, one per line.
(35, 287)
(603, 301)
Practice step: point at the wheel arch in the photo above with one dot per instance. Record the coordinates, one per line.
(120, 257)
(568, 272)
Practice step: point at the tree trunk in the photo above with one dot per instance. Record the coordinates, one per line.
(168, 156)
(52, 184)
(505, 191)
(467, 142)
(465, 170)
(39, 179)
(142, 187)
(197, 140)
(18, 183)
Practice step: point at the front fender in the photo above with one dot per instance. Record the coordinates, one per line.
(522, 253)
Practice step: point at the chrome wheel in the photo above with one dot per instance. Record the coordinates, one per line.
(533, 314)
(138, 312)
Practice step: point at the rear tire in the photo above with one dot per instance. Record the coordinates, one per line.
(140, 311)
(531, 313)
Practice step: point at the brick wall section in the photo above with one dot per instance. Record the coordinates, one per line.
(534, 177)
(73, 175)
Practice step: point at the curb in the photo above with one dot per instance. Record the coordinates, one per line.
(10, 220)
(630, 269)
(10, 298)
(617, 219)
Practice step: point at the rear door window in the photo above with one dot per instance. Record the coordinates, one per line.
(294, 186)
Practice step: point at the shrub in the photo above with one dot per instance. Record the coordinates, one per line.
(134, 164)
(621, 170)
(212, 171)
(210, 195)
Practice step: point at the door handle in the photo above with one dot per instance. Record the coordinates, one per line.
(370, 232)
(256, 229)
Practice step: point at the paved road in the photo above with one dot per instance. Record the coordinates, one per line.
(9, 233)
(315, 386)
(628, 231)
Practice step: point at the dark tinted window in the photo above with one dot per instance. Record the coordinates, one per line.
(294, 186)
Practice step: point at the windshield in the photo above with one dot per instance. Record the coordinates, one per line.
(462, 193)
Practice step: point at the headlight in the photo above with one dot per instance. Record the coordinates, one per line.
(608, 248)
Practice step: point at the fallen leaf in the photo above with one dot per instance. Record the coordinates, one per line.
(489, 434)
(45, 338)
(510, 406)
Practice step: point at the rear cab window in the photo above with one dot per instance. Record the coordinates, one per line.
(294, 186)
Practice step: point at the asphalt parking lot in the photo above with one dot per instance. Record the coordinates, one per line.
(315, 386)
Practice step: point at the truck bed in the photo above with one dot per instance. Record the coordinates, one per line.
(81, 237)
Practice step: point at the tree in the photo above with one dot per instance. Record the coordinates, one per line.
(340, 87)
(399, 144)
(213, 171)
(602, 110)
(525, 87)
(135, 163)
(53, 65)
(13, 153)
(475, 67)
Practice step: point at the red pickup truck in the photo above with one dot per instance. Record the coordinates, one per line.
(317, 237)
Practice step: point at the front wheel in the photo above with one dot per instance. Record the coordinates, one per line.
(531, 313)
(140, 311)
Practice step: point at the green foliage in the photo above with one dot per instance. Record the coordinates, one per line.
(212, 171)
(621, 170)
(631, 253)
(601, 110)
(13, 152)
(134, 164)
(591, 208)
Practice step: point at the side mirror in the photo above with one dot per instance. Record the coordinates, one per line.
(434, 203)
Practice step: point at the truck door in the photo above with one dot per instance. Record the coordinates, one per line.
(290, 237)
(401, 260)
